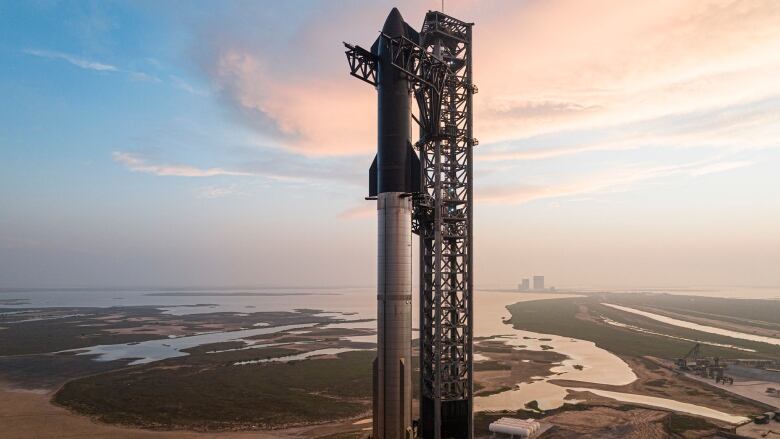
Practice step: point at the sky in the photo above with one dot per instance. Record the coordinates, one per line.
(197, 143)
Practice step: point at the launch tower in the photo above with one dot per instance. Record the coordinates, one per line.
(443, 217)
(435, 66)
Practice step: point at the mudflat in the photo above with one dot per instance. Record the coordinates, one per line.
(26, 414)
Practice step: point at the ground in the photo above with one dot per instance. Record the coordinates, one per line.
(26, 415)
(205, 395)
(654, 380)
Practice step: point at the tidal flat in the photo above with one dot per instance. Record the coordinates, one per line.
(300, 366)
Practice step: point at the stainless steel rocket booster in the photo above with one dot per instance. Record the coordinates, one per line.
(435, 66)
(393, 176)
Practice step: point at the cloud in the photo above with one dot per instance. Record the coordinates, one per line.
(186, 86)
(87, 64)
(733, 128)
(314, 116)
(137, 164)
(720, 167)
(617, 180)
(543, 109)
(622, 63)
(541, 67)
(210, 192)
(272, 164)
(141, 76)
(361, 211)
(75, 60)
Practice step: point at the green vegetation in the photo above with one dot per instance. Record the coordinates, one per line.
(496, 349)
(536, 316)
(533, 405)
(212, 398)
(491, 365)
(657, 383)
(680, 423)
(52, 335)
(40, 331)
(760, 312)
(490, 392)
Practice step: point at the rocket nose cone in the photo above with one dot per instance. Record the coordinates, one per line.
(394, 24)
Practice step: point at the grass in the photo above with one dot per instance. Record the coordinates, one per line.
(533, 405)
(490, 392)
(42, 336)
(758, 312)
(537, 316)
(679, 423)
(657, 383)
(214, 398)
(491, 365)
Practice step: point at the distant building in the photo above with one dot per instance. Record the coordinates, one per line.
(539, 283)
(525, 285)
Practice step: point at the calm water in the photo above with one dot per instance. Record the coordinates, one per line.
(156, 350)
(597, 365)
(301, 356)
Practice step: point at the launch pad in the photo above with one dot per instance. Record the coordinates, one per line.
(434, 66)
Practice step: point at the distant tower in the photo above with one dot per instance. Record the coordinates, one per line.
(539, 283)
(525, 285)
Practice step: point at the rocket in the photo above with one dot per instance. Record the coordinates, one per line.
(393, 177)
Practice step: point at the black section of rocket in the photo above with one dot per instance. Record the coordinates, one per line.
(396, 167)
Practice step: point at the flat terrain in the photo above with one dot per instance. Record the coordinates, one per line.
(597, 421)
(584, 318)
(508, 367)
(193, 395)
(746, 387)
(25, 415)
(50, 391)
(203, 390)
(753, 313)
(654, 380)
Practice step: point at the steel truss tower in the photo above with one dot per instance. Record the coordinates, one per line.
(439, 68)
(444, 223)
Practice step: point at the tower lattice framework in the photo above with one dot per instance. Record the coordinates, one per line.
(439, 69)
(444, 214)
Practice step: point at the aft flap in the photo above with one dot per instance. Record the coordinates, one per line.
(372, 183)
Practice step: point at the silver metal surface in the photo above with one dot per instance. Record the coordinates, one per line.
(393, 394)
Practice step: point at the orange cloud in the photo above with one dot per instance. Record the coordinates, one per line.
(361, 211)
(316, 116)
(541, 67)
(573, 64)
(614, 181)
